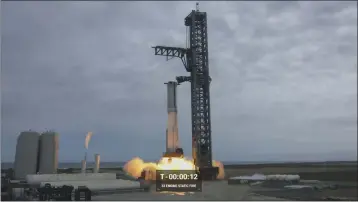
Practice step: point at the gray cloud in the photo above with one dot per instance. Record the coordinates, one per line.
(284, 77)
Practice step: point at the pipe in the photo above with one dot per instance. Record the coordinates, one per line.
(96, 163)
(37, 179)
(97, 185)
(83, 166)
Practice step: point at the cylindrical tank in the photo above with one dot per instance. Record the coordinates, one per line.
(26, 156)
(96, 163)
(48, 153)
(172, 136)
(83, 166)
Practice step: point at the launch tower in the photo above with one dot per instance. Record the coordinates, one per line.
(196, 61)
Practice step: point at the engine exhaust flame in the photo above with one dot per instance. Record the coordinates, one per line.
(135, 166)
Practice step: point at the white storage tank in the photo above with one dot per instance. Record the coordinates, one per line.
(96, 163)
(26, 156)
(48, 156)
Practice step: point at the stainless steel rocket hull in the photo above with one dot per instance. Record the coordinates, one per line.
(172, 132)
(172, 136)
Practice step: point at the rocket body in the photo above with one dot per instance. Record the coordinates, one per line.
(172, 136)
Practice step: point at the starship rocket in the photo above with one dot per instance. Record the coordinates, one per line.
(172, 136)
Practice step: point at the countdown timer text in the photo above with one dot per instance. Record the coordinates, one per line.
(178, 180)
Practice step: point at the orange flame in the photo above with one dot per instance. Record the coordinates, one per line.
(136, 166)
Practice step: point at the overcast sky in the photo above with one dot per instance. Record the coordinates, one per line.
(284, 77)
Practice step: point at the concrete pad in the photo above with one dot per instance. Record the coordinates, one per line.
(37, 179)
(98, 185)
